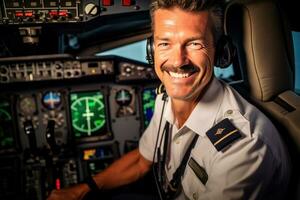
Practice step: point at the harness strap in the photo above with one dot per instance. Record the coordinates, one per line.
(176, 179)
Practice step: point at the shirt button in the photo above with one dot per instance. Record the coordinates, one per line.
(229, 112)
(195, 196)
(177, 142)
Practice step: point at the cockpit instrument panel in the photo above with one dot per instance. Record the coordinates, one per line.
(63, 118)
(64, 11)
(65, 66)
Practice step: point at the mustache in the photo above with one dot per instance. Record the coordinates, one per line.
(182, 69)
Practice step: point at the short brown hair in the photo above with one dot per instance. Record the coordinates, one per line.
(215, 7)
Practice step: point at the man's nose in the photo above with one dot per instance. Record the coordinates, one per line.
(178, 56)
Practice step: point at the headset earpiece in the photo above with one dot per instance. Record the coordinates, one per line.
(225, 52)
(149, 51)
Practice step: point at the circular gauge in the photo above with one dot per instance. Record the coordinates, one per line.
(123, 97)
(51, 100)
(88, 112)
(27, 105)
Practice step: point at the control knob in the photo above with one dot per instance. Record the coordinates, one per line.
(91, 9)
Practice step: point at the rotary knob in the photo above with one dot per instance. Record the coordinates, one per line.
(91, 9)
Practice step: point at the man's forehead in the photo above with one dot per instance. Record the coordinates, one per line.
(178, 18)
(180, 10)
(163, 15)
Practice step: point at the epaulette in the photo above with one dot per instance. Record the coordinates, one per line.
(223, 134)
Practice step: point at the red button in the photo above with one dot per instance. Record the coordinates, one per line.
(63, 13)
(107, 2)
(19, 14)
(53, 13)
(127, 2)
(28, 13)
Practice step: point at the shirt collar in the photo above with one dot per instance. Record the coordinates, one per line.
(204, 114)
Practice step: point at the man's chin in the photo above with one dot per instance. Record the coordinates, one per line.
(180, 96)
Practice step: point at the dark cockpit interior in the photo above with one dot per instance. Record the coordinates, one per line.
(76, 91)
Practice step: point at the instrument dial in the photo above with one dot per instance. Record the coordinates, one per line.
(88, 113)
(123, 97)
(51, 100)
(28, 105)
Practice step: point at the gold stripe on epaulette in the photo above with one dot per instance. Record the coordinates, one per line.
(225, 136)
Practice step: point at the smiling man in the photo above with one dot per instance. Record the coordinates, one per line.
(184, 51)
(204, 141)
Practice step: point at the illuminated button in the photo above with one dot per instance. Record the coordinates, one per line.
(19, 14)
(53, 13)
(127, 2)
(107, 2)
(28, 13)
(63, 13)
(57, 184)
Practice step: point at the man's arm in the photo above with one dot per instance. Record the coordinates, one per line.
(127, 169)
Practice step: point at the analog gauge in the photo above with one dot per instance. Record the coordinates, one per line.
(123, 97)
(27, 105)
(88, 113)
(51, 100)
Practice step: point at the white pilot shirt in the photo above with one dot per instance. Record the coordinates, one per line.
(255, 166)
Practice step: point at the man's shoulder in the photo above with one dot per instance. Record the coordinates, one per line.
(244, 115)
(249, 120)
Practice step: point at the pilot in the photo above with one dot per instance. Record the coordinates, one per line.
(204, 141)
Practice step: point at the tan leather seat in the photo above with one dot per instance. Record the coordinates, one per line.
(265, 57)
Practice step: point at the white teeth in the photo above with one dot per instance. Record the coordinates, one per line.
(178, 75)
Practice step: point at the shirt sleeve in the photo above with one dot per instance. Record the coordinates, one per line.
(148, 139)
(147, 142)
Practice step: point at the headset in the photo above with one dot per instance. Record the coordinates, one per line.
(224, 54)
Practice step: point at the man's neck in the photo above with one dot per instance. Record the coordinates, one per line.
(182, 110)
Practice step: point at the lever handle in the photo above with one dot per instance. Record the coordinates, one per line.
(50, 137)
(29, 131)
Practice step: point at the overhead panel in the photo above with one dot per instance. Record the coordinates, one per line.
(64, 11)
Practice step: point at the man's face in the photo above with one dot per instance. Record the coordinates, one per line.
(183, 52)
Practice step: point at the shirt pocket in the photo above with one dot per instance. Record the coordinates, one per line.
(192, 184)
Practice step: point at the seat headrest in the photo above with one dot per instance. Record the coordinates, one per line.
(264, 46)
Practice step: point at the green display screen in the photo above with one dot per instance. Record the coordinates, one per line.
(148, 98)
(88, 116)
(6, 125)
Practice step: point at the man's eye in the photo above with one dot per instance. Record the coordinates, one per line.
(195, 45)
(163, 45)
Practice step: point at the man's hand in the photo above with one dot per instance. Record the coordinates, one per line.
(76, 192)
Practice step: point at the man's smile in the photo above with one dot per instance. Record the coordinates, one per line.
(181, 72)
